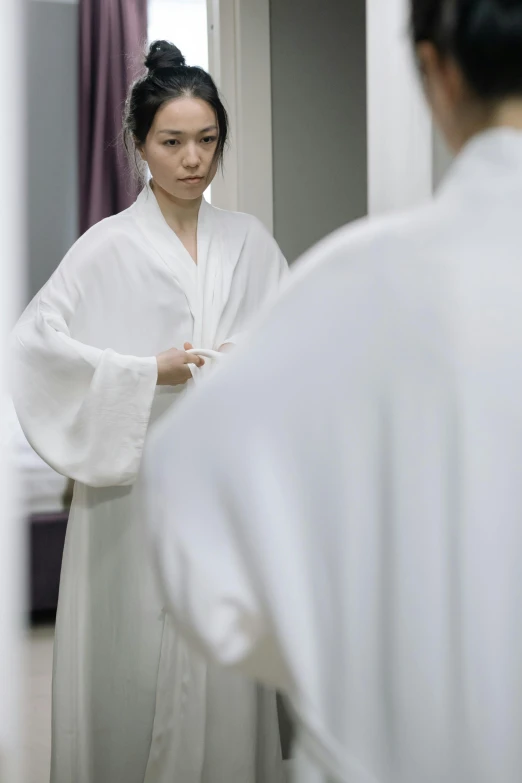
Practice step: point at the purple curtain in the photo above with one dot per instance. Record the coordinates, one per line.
(112, 39)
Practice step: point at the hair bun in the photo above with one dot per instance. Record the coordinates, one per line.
(163, 54)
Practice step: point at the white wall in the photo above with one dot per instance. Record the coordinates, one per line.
(400, 143)
(12, 231)
(184, 23)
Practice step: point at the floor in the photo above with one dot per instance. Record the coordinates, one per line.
(38, 705)
(37, 745)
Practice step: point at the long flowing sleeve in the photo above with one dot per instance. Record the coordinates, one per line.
(206, 575)
(85, 411)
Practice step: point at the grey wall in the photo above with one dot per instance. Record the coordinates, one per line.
(52, 136)
(319, 118)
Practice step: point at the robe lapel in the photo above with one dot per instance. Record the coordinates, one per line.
(206, 284)
(218, 256)
(168, 246)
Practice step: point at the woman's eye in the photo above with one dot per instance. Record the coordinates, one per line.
(209, 139)
(171, 142)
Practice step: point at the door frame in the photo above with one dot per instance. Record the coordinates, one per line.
(240, 62)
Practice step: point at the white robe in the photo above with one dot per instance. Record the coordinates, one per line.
(347, 516)
(130, 703)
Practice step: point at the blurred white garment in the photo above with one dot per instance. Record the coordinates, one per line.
(131, 702)
(339, 512)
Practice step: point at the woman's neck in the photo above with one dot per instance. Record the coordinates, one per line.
(508, 114)
(478, 118)
(180, 214)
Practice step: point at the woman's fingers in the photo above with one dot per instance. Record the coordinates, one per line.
(191, 358)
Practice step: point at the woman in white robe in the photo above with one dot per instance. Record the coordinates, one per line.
(93, 364)
(367, 556)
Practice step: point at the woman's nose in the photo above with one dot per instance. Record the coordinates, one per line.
(191, 159)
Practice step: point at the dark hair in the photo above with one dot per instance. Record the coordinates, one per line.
(168, 77)
(483, 36)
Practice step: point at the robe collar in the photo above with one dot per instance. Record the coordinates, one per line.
(206, 284)
(170, 248)
(491, 159)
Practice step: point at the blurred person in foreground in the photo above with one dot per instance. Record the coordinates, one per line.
(340, 513)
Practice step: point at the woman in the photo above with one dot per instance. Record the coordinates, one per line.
(376, 537)
(94, 367)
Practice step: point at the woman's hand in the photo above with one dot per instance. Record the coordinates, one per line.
(173, 366)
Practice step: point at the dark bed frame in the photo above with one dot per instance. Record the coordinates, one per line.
(46, 541)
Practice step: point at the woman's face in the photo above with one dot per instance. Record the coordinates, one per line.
(180, 147)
